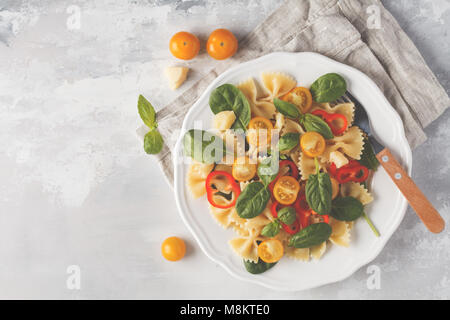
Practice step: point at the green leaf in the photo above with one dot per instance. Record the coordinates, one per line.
(271, 230)
(288, 109)
(228, 97)
(368, 157)
(147, 112)
(314, 123)
(268, 170)
(258, 267)
(328, 88)
(287, 215)
(252, 201)
(346, 209)
(288, 141)
(311, 236)
(203, 146)
(153, 142)
(318, 192)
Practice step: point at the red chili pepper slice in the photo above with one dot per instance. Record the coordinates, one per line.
(210, 191)
(293, 172)
(291, 229)
(303, 210)
(331, 119)
(333, 169)
(339, 128)
(352, 171)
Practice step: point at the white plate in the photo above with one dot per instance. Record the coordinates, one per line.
(386, 211)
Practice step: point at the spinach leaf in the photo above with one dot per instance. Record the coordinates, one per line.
(147, 112)
(252, 201)
(203, 146)
(328, 87)
(228, 97)
(288, 109)
(287, 215)
(346, 209)
(153, 142)
(268, 170)
(272, 229)
(318, 192)
(258, 267)
(368, 158)
(288, 141)
(310, 236)
(314, 123)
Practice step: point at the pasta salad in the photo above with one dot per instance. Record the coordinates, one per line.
(284, 166)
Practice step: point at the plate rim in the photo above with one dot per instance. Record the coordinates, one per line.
(203, 243)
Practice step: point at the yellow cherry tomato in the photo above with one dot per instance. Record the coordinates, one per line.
(334, 187)
(299, 96)
(260, 131)
(286, 189)
(221, 44)
(271, 250)
(243, 170)
(312, 144)
(184, 45)
(173, 248)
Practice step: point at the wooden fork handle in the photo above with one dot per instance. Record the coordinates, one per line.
(423, 207)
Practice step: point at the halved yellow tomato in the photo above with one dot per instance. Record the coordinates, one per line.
(334, 187)
(243, 170)
(260, 131)
(271, 250)
(312, 144)
(286, 189)
(299, 96)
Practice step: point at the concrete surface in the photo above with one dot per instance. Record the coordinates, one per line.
(77, 189)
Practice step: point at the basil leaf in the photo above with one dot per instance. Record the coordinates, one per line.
(227, 97)
(258, 267)
(203, 146)
(346, 209)
(252, 201)
(288, 109)
(287, 215)
(153, 142)
(268, 170)
(147, 112)
(368, 157)
(271, 230)
(328, 87)
(288, 141)
(318, 192)
(310, 236)
(314, 123)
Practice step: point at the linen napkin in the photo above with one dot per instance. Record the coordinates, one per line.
(348, 31)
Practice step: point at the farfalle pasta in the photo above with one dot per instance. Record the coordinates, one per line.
(290, 182)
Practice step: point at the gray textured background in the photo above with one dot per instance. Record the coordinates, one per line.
(77, 188)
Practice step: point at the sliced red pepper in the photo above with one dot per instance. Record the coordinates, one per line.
(333, 169)
(339, 128)
(293, 172)
(352, 171)
(303, 210)
(211, 191)
(291, 229)
(331, 119)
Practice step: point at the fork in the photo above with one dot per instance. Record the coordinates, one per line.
(421, 205)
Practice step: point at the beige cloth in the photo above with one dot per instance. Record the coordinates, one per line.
(337, 29)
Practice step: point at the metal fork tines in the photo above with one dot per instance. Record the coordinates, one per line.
(361, 119)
